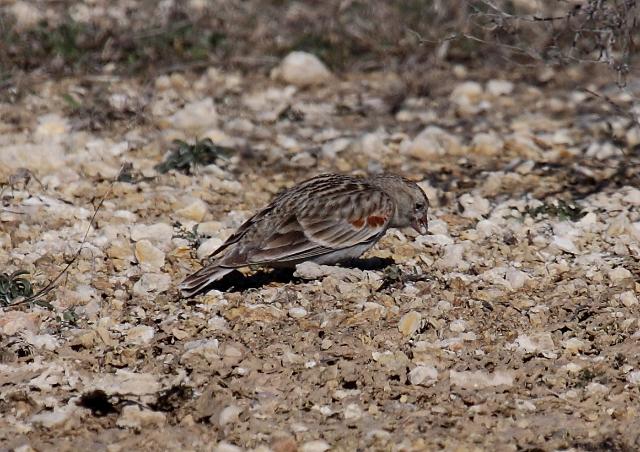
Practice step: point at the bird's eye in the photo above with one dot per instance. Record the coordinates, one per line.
(419, 205)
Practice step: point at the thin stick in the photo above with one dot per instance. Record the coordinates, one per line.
(624, 112)
(49, 287)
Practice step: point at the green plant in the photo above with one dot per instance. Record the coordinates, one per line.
(192, 236)
(561, 209)
(13, 287)
(68, 317)
(185, 157)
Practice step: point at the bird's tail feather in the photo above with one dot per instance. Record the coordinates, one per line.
(202, 278)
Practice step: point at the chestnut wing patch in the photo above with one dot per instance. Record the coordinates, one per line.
(352, 223)
(373, 221)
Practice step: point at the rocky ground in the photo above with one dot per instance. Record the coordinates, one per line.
(513, 325)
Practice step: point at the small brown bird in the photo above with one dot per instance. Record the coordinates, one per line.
(327, 219)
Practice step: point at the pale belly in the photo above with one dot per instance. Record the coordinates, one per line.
(329, 258)
(342, 255)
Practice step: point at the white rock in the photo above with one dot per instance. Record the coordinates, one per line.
(423, 375)
(378, 434)
(270, 102)
(480, 380)
(302, 69)
(148, 256)
(409, 323)
(152, 282)
(565, 244)
(311, 270)
(475, 206)
(240, 125)
(207, 247)
(628, 299)
(317, 445)
(588, 222)
(546, 74)
(39, 158)
(565, 229)
(56, 418)
(525, 405)
(597, 388)
(42, 341)
(125, 216)
(373, 145)
(431, 142)
(206, 350)
(619, 274)
(486, 144)
(634, 377)
(453, 258)
(13, 322)
(19, 427)
(618, 225)
(26, 14)
(52, 127)
(602, 151)
(287, 142)
(302, 160)
(298, 312)
(495, 276)
(140, 335)
(437, 226)
(574, 345)
(523, 145)
(224, 446)
(467, 93)
(119, 101)
(572, 368)
(127, 382)
(486, 228)
(458, 326)
(331, 148)
(434, 239)
(516, 278)
(229, 415)
(156, 233)
(218, 323)
(633, 136)
(53, 375)
(535, 343)
(499, 87)
(632, 197)
(352, 412)
(196, 117)
(5, 241)
(133, 416)
(194, 211)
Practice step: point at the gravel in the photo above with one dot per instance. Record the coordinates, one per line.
(515, 324)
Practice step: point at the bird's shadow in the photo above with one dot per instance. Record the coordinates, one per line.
(239, 282)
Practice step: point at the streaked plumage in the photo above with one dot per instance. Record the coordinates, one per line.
(326, 219)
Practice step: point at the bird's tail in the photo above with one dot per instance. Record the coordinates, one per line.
(202, 278)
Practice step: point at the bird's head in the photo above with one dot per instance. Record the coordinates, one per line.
(410, 201)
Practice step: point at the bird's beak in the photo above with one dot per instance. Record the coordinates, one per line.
(421, 225)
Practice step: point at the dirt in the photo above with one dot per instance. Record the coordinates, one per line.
(513, 325)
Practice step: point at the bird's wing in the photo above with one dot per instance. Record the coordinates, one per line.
(320, 224)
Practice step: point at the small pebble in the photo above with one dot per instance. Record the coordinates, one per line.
(303, 69)
(409, 323)
(297, 312)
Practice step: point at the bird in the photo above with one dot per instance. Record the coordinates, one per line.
(328, 219)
